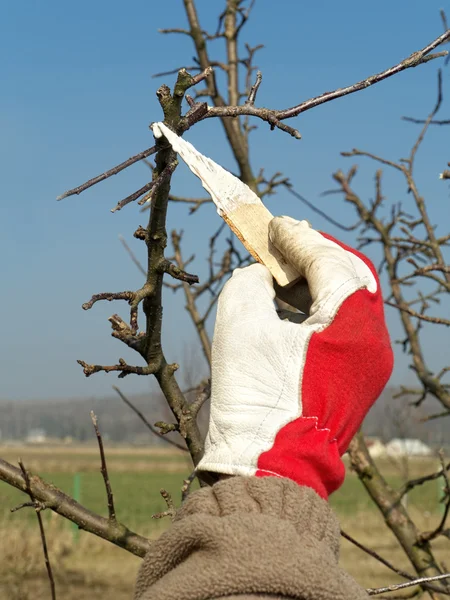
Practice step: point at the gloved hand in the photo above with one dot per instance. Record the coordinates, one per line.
(287, 398)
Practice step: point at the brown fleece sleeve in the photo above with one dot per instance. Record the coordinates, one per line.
(249, 538)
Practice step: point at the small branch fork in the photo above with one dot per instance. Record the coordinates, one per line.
(38, 507)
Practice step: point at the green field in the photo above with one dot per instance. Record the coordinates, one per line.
(136, 477)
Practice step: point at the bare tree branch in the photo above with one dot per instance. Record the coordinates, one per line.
(104, 469)
(59, 502)
(109, 173)
(274, 117)
(421, 316)
(394, 514)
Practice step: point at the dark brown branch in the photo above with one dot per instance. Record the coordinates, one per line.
(196, 112)
(122, 367)
(123, 332)
(140, 233)
(146, 422)
(109, 173)
(132, 197)
(38, 508)
(128, 296)
(377, 557)
(104, 470)
(59, 502)
(177, 273)
(149, 345)
(166, 173)
(423, 121)
(385, 562)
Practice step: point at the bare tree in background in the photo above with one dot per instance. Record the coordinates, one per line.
(413, 257)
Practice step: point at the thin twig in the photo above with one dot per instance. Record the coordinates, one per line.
(166, 173)
(436, 416)
(38, 509)
(319, 211)
(128, 296)
(109, 173)
(146, 423)
(409, 485)
(134, 196)
(132, 255)
(422, 317)
(400, 586)
(375, 555)
(104, 469)
(430, 535)
(254, 89)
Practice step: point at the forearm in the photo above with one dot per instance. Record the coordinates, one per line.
(248, 536)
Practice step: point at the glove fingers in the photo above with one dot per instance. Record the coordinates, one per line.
(326, 265)
(248, 296)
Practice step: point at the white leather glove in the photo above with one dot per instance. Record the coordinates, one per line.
(287, 398)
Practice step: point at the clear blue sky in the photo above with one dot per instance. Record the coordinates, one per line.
(77, 97)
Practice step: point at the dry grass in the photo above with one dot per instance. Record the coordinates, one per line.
(23, 575)
(80, 458)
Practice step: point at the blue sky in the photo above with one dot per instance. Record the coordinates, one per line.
(77, 97)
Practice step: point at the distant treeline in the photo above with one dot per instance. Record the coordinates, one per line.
(64, 418)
